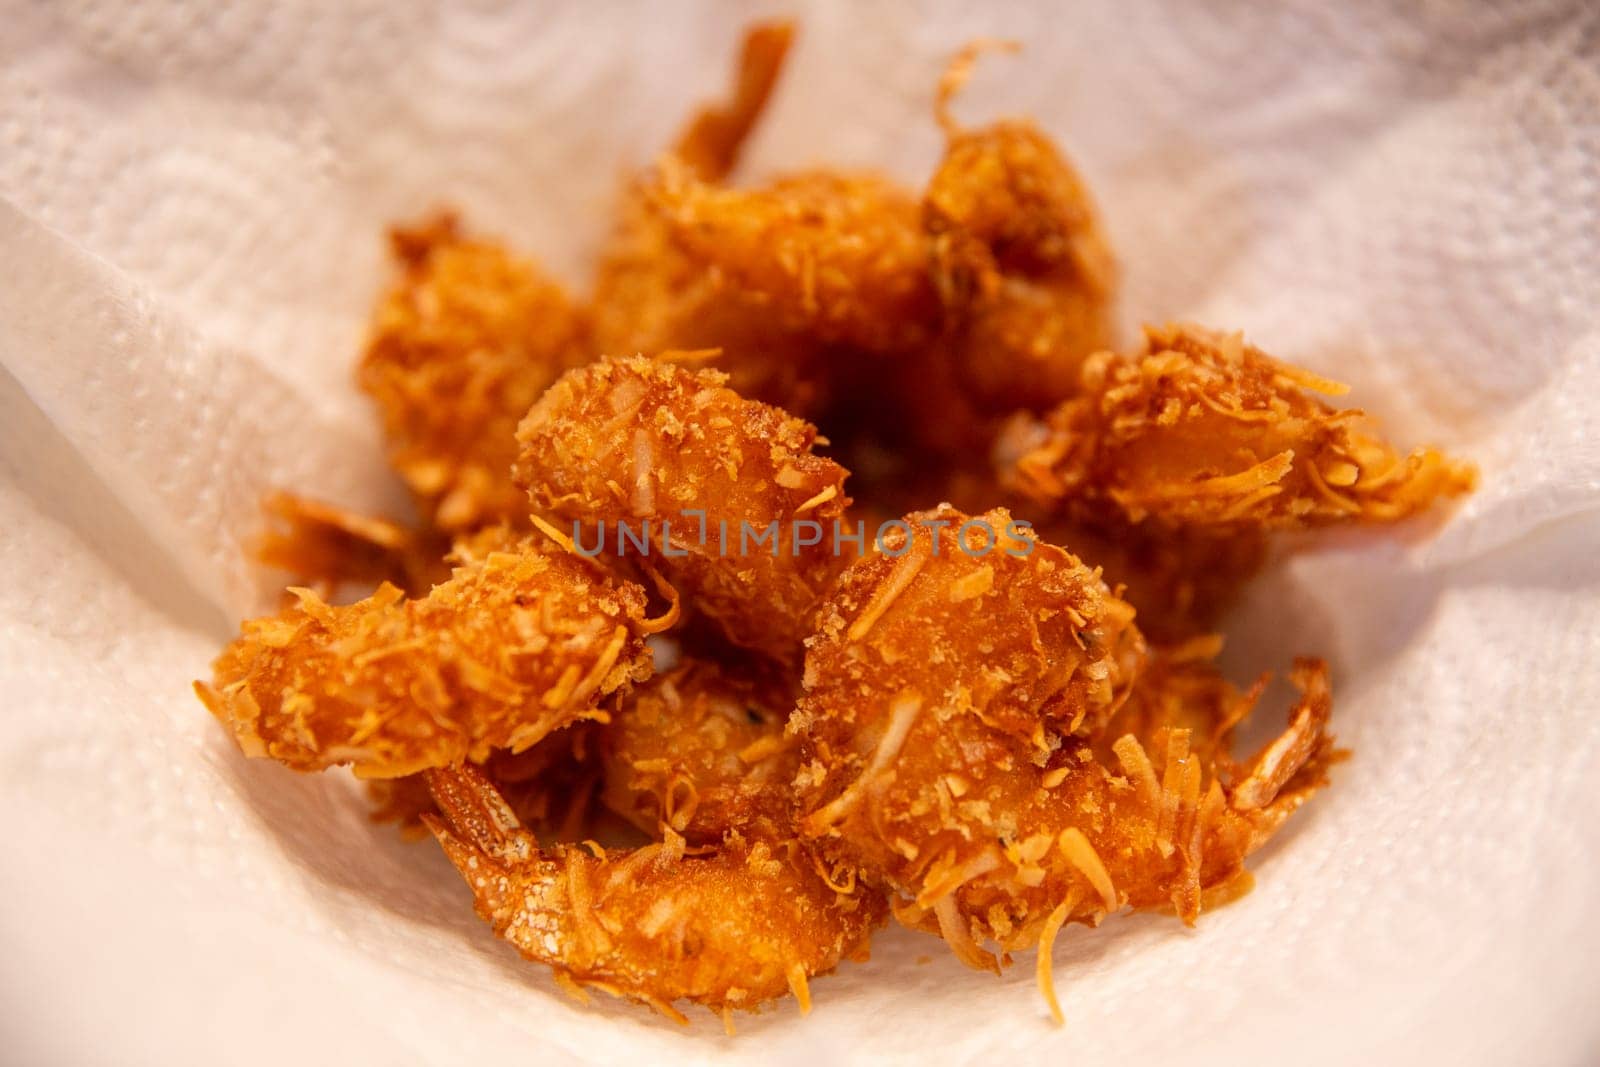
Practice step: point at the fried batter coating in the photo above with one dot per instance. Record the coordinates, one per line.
(652, 296)
(460, 347)
(743, 925)
(701, 751)
(641, 441)
(1203, 430)
(937, 756)
(514, 646)
(818, 287)
(838, 257)
(1022, 266)
(710, 145)
(1059, 651)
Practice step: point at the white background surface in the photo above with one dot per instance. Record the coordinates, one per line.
(1406, 199)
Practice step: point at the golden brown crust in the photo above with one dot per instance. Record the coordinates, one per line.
(940, 758)
(700, 751)
(1022, 266)
(459, 348)
(745, 924)
(514, 646)
(651, 295)
(640, 441)
(1203, 430)
(838, 257)
(1059, 647)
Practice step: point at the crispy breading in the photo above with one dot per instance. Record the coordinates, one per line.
(838, 256)
(745, 924)
(651, 295)
(701, 751)
(703, 473)
(1023, 269)
(952, 707)
(465, 341)
(515, 645)
(1202, 430)
(1059, 650)
(1021, 261)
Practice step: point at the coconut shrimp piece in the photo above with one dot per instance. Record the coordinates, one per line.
(463, 344)
(701, 751)
(1060, 650)
(794, 283)
(937, 759)
(1022, 266)
(652, 295)
(838, 257)
(1203, 430)
(514, 646)
(743, 925)
(706, 473)
(1159, 828)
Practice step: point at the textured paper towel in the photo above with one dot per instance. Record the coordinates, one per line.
(1406, 197)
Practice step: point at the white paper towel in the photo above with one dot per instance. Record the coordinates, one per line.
(1403, 196)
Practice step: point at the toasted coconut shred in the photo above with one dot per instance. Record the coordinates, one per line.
(1046, 963)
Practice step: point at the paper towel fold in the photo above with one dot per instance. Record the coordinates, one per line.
(1404, 198)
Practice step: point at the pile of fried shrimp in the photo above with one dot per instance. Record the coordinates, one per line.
(962, 678)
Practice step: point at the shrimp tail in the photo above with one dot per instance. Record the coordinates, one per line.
(476, 817)
(1302, 751)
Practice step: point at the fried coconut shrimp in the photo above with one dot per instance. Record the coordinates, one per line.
(938, 757)
(1203, 430)
(651, 294)
(738, 511)
(793, 281)
(515, 645)
(462, 345)
(700, 751)
(1023, 269)
(739, 926)
(839, 257)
